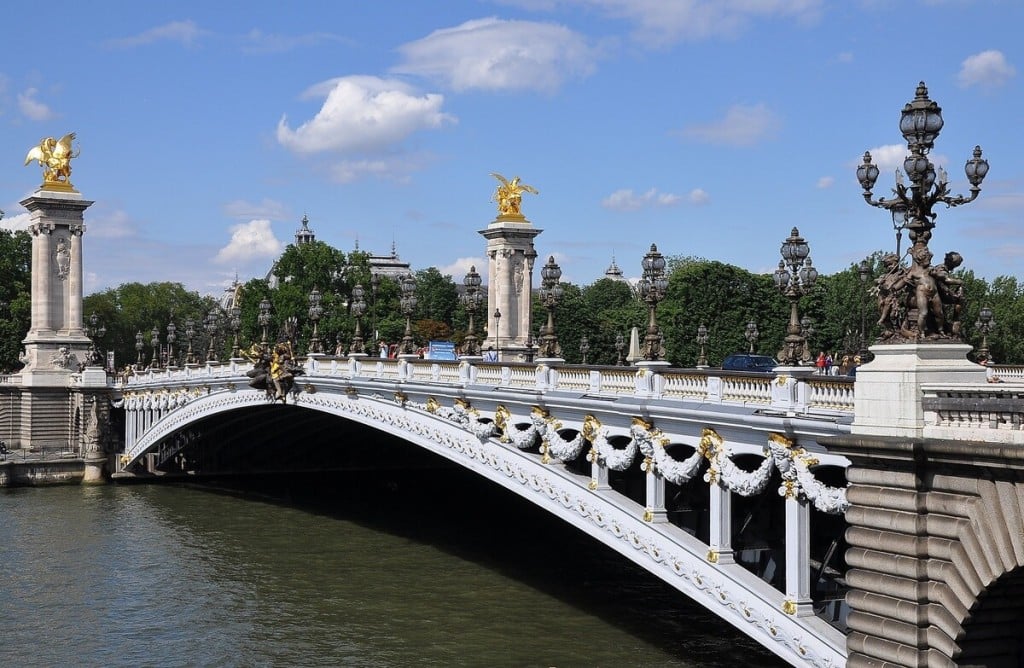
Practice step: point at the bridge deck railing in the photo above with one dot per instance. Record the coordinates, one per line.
(803, 394)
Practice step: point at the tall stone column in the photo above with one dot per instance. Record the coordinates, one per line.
(56, 341)
(510, 256)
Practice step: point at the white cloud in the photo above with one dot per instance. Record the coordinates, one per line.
(461, 266)
(826, 182)
(659, 23)
(496, 54)
(363, 113)
(18, 223)
(250, 241)
(741, 126)
(988, 69)
(32, 108)
(111, 225)
(698, 196)
(187, 33)
(257, 41)
(626, 200)
(267, 208)
(887, 158)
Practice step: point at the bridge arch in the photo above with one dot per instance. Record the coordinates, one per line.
(736, 595)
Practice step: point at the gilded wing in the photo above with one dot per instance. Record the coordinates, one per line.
(529, 189)
(35, 153)
(63, 148)
(501, 178)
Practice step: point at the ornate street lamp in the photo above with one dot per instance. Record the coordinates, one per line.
(236, 325)
(497, 335)
(96, 331)
(408, 304)
(190, 332)
(172, 336)
(807, 331)
(315, 311)
(374, 285)
(794, 278)
(652, 286)
(472, 300)
(550, 294)
(264, 319)
(985, 325)
(154, 340)
(358, 307)
(138, 349)
(584, 348)
(620, 346)
(211, 329)
(920, 123)
(702, 340)
(752, 335)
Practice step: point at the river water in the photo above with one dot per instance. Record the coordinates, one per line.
(327, 571)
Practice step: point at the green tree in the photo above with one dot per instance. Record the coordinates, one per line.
(15, 295)
(613, 310)
(136, 307)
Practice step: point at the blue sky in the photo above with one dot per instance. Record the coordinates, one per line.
(710, 127)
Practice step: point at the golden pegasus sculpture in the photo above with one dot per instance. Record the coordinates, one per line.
(55, 155)
(509, 196)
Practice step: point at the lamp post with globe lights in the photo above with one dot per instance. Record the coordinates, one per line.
(211, 329)
(190, 333)
(702, 341)
(652, 287)
(315, 311)
(584, 348)
(920, 123)
(264, 319)
(408, 303)
(550, 295)
(471, 299)
(795, 278)
(357, 308)
(172, 336)
(236, 326)
(154, 340)
(752, 335)
(96, 330)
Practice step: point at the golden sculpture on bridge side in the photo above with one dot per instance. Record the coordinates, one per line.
(55, 156)
(509, 196)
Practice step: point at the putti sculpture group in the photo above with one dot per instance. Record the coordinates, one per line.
(920, 301)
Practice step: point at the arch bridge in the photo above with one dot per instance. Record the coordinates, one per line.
(715, 482)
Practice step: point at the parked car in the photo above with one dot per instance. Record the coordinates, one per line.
(748, 362)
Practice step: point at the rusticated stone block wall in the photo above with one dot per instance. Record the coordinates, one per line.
(936, 541)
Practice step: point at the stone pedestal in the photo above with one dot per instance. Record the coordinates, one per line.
(887, 395)
(510, 256)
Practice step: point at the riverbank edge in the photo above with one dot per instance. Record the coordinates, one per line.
(42, 473)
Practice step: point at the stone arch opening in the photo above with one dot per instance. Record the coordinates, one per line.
(994, 630)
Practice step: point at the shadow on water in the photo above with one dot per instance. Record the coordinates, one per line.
(454, 511)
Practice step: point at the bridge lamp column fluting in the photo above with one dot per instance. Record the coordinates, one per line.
(408, 304)
(752, 335)
(264, 319)
(357, 309)
(139, 345)
(172, 336)
(864, 272)
(985, 325)
(702, 341)
(795, 278)
(550, 295)
(211, 329)
(584, 348)
(315, 311)
(911, 207)
(190, 332)
(807, 331)
(471, 299)
(236, 326)
(652, 287)
(154, 340)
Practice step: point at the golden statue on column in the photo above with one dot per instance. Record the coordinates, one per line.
(509, 196)
(54, 156)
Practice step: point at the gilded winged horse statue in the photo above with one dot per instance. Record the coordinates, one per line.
(55, 155)
(509, 195)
